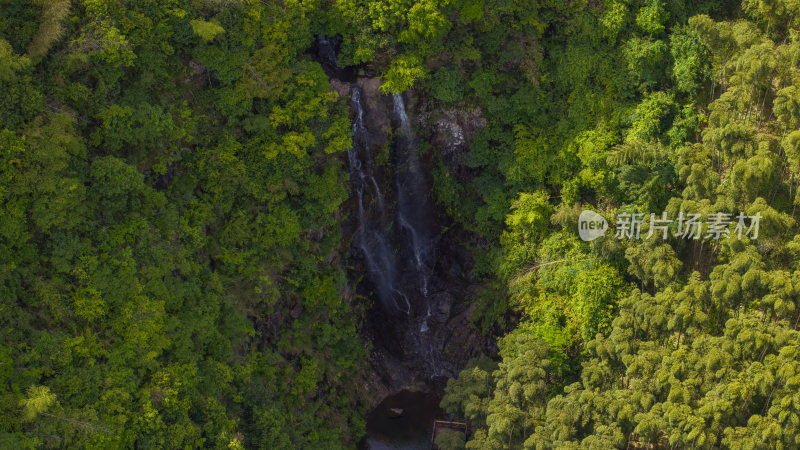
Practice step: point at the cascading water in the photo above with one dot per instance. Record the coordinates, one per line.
(413, 210)
(399, 254)
(415, 276)
(372, 234)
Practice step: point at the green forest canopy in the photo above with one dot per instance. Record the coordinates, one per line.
(172, 181)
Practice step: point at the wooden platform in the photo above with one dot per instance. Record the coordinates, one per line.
(442, 425)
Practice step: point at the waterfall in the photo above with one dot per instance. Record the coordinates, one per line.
(401, 284)
(413, 209)
(396, 235)
(407, 267)
(372, 237)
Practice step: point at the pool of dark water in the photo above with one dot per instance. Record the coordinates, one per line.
(403, 421)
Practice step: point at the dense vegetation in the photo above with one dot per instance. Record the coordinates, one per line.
(172, 183)
(637, 108)
(170, 275)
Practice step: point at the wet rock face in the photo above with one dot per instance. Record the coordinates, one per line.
(324, 50)
(450, 129)
(376, 113)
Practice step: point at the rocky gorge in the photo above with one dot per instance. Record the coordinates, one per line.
(406, 261)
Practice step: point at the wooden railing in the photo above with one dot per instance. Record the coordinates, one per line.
(441, 425)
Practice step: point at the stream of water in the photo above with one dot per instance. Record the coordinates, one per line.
(372, 236)
(401, 285)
